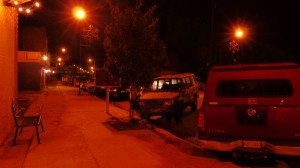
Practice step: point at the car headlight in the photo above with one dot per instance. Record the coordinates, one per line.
(168, 102)
(113, 90)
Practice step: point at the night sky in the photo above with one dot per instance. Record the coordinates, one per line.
(196, 32)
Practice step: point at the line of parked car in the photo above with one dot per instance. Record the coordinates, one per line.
(116, 93)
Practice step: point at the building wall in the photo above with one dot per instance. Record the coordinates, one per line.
(30, 71)
(33, 39)
(32, 45)
(8, 68)
(29, 76)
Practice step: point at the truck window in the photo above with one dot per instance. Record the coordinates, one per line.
(255, 88)
(192, 80)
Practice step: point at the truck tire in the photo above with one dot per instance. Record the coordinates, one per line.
(179, 113)
(168, 116)
(145, 116)
(194, 104)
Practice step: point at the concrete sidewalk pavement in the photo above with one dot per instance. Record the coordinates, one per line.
(79, 133)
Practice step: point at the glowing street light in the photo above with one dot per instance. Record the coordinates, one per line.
(93, 67)
(239, 33)
(37, 4)
(79, 13)
(45, 57)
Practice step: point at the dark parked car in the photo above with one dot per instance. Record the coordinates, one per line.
(119, 93)
(115, 92)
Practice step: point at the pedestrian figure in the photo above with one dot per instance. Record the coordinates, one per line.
(134, 100)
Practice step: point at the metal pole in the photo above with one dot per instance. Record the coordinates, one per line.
(107, 101)
(79, 93)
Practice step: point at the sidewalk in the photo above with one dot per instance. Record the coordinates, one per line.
(79, 133)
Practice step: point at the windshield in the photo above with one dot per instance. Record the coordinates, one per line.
(169, 84)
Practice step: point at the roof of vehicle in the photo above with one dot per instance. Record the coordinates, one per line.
(284, 65)
(181, 75)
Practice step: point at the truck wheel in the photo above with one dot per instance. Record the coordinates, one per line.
(142, 116)
(148, 117)
(145, 116)
(194, 105)
(168, 116)
(179, 113)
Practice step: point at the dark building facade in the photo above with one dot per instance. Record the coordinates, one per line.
(33, 45)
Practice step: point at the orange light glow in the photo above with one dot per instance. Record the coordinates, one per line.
(239, 33)
(45, 58)
(28, 11)
(79, 13)
(37, 4)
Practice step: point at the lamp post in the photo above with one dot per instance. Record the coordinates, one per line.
(79, 14)
(63, 53)
(59, 63)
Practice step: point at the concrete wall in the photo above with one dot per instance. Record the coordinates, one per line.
(8, 68)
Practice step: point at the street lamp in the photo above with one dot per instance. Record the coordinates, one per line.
(63, 50)
(239, 33)
(93, 67)
(92, 61)
(79, 14)
(45, 65)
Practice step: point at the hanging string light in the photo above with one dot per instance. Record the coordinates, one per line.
(24, 6)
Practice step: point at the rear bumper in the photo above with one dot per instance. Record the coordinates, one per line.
(230, 146)
(156, 111)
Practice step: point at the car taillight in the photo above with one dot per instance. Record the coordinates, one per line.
(201, 119)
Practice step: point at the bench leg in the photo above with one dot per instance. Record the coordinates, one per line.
(14, 140)
(42, 126)
(37, 133)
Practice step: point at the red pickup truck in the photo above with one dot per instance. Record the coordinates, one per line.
(252, 108)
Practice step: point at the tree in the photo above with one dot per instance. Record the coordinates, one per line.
(133, 49)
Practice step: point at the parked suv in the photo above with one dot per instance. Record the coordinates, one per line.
(252, 109)
(169, 95)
